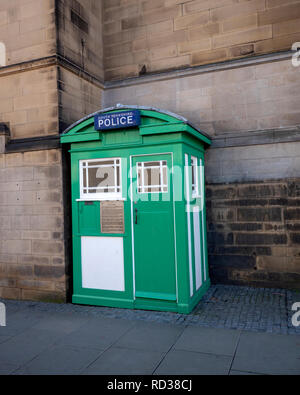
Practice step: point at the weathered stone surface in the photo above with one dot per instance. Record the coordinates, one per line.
(31, 224)
(214, 31)
(264, 237)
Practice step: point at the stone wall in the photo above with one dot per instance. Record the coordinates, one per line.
(27, 28)
(78, 97)
(32, 256)
(79, 27)
(151, 36)
(222, 101)
(29, 101)
(254, 233)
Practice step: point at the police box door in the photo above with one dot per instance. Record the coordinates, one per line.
(153, 223)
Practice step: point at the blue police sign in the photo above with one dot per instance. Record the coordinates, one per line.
(117, 120)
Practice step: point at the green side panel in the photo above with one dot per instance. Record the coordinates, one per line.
(89, 218)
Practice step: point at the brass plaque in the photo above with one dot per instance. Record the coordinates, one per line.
(112, 217)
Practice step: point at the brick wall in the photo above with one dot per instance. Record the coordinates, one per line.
(32, 262)
(166, 34)
(254, 233)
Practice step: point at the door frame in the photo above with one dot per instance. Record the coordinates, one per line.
(132, 218)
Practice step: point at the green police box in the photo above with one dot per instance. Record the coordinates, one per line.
(138, 210)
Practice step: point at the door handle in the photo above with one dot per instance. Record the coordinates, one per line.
(136, 216)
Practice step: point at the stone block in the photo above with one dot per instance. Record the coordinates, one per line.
(241, 37)
(279, 14)
(259, 214)
(47, 247)
(49, 272)
(260, 239)
(186, 21)
(199, 58)
(16, 247)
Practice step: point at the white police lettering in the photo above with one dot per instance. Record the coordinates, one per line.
(117, 120)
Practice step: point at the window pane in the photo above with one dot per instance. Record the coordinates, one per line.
(101, 177)
(152, 177)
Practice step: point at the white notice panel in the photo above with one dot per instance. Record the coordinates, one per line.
(102, 262)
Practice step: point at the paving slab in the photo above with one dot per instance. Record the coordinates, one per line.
(7, 368)
(63, 360)
(268, 354)
(122, 361)
(64, 323)
(22, 348)
(151, 336)
(209, 340)
(98, 333)
(240, 373)
(3, 339)
(179, 362)
(18, 322)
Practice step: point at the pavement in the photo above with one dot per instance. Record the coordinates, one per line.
(233, 331)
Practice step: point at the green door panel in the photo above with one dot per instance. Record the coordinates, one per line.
(154, 246)
(89, 218)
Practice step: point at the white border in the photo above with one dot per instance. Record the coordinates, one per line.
(188, 209)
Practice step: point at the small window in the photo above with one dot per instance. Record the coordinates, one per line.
(101, 178)
(152, 177)
(195, 177)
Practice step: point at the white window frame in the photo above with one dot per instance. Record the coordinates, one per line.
(116, 195)
(142, 189)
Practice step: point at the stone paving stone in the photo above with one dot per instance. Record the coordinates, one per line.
(65, 323)
(178, 362)
(6, 368)
(122, 361)
(150, 336)
(208, 340)
(98, 333)
(268, 354)
(21, 320)
(24, 347)
(3, 339)
(240, 373)
(60, 360)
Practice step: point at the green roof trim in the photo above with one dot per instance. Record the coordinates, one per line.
(154, 121)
